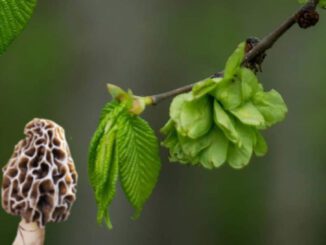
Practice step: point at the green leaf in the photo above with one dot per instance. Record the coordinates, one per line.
(107, 109)
(260, 148)
(216, 153)
(239, 157)
(229, 93)
(139, 160)
(14, 16)
(322, 3)
(192, 117)
(225, 123)
(168, 127)
(271, 105)
(172, 142)
(206, 86)
(177, 106)
(104, 156)
(241, 89)
(249, 114)
(93, 152)
(107, 175)
(234, 62)
(249, 84)
(104, 120)
(103, 160)
(192, 147)
(177, 155)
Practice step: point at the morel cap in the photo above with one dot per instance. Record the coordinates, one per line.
(39, 181)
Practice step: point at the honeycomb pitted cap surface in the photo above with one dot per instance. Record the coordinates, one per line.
(39, 181)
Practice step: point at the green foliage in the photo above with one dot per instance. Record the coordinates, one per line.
(103, 159)
(271, 106)
(322, 3)
(138, 159)
(123, 146)
(234, 62)
(220, 119)
(191, 116)
(14, 15)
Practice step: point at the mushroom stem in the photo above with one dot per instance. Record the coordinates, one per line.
(29, 234)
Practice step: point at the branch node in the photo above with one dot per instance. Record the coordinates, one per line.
(307, 17)
(254, 64)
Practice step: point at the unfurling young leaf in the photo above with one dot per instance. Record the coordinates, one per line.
(14, 15)
(103, 160)
(106, 188)
(234, 62)
(219, 120)
(123, 146)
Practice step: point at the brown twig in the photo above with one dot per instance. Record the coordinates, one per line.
(266, 43)
(155, 99)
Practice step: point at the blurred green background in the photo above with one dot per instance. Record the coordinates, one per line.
(58, 69)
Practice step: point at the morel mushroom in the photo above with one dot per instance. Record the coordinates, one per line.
(39, 181)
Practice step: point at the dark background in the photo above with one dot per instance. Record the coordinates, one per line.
(58, 69)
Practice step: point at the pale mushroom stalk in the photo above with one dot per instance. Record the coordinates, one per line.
(39, 181)
(29, 234)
